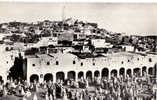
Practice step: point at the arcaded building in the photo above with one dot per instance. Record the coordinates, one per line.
(66, 65)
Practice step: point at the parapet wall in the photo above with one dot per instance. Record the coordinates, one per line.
(68, 62)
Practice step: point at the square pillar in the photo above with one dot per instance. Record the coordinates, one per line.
(65, 75)
(54, 78)
(76, 76)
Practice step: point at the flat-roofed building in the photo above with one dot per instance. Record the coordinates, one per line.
(65, 65)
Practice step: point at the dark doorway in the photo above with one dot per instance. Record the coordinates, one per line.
(48, 77)
(89, 76)
(114, 73)
(34, 77)
(150, 71)
(96, 73)
(137, 72)
(60, 76)
(144, 71)
(122, 72)
(80, 75)
(105, 72)
(128, 72)
(71, 75)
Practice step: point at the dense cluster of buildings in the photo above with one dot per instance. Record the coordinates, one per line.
(71, 38)
(72, 49)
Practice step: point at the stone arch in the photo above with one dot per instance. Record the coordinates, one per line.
(96, 73)
(80, 74)
(128, 72)
(150, 71)
(122, 71)
(1, 78)
(144, 70)
(89, 76)
(71, 75)
(34, 77)
(48, 77)
(114, 73)
(105, 72)
(155, 70)
(60, 76)
(136, 71)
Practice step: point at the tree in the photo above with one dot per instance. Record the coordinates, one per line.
(16, 71)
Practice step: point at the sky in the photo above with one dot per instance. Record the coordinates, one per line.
(130, 18)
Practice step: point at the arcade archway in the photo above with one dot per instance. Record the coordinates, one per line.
(105, 72)
(71, 75)
(128, 72)
(150, 71)
(137, 72)
(80, 74)
(34, 77)
(114, 73)
(60, 76)
(89, 76)
(96, 73)
(144, 71)
(122, 72)
(48, 77)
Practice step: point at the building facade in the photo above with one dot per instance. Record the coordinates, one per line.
(65, 65)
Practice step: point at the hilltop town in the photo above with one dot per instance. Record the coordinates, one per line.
(51, 59)
(82, 36)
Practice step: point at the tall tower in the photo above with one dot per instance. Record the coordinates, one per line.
(63, 13)
(63, 17)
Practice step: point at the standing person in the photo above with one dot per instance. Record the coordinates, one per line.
(5, 91)
(19, 89)
(77, 95)
(24, 98)
(22, 91)
(50, 97)
(46, 96)
(1, 88)
(34, 86)
(87, 83)
(35, 97)
(81, 96)
(50, 88)
(95, 98)
(65, 95)
(69, 94)
(86, 96)
(91, 97)
(35, 90)
(28, 93)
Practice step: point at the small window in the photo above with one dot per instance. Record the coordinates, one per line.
(55, 35)
(150, 60)
(74, 62)
(81, 64)
(128, 60)
(48, 63)
(41, 75)
(93, 64)
(57, 63)
(122, 62)
(7, 62)
(138, 59)
(33, 64)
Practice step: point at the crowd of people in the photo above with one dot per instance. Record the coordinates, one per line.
(115, 88)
